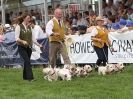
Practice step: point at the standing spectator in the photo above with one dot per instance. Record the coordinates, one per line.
(9, 35)
(67, 25)
(7, 16)
(92, 17)
(38, 18)
(90, 9)
(74, 18)
(81, 21)
(12, 15)
(56, 31)
(50, 10)
(86, 16)
(38, 34)
(19, 14)
(24, 38)
(130, 14)
(110, 21)
(15, 22)
(82, 30)
(129, 25)
(129, 3)
(115, 27)
(122, 11)
(100, 42)
(112, 7)
(123, 23)
(37, 30)
(105, 8)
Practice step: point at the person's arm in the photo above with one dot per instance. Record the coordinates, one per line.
(110, 45)
(17, 34)
(41, 33)
(124, 29)
(93, 35)
(49, 28)
(35, 40)
(35, 32)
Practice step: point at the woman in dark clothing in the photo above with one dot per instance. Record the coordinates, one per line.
(24, 39)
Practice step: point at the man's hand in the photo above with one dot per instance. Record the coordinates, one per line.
(57, 34)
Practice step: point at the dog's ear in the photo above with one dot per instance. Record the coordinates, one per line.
(121, 64)
(73, 69)
(65, 75)
(82, 71)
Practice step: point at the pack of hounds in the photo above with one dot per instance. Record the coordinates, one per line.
(70, 71)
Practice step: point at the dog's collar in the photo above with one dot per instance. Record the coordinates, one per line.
(116, 66)
(53, 73)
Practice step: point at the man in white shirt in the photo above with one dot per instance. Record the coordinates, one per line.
(55, 29)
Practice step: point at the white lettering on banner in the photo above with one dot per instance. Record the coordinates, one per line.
(81, 50)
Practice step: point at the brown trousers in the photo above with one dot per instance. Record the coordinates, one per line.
(54, 48)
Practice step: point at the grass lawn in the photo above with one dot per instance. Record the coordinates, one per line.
(115, 86)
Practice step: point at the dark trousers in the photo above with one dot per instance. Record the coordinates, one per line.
(25, 53)
(102, 54)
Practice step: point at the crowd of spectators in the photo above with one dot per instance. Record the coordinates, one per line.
(116, 16)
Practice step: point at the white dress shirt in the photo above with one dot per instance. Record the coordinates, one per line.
(38, 32)
(50, 25)
(17, 34)
(94, 31)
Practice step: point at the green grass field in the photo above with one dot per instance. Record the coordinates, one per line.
(115, 86)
